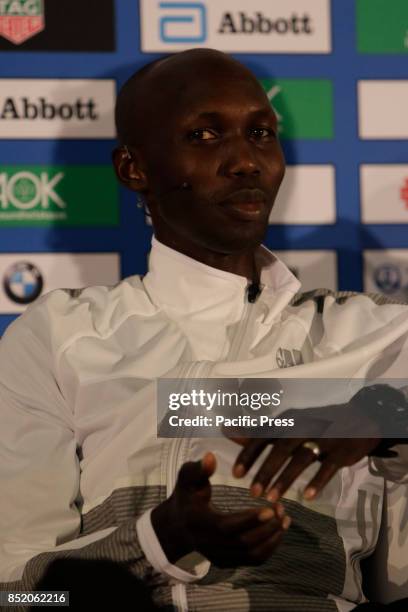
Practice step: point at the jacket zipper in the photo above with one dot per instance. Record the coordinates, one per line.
(177, 448)
(236, 345)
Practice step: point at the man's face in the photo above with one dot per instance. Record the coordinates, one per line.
(220, 137)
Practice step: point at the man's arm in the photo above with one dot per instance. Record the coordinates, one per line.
(39, 473)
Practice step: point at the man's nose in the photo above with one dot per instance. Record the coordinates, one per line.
(241, 159)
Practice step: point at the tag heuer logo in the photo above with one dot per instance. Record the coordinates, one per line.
(21, 19)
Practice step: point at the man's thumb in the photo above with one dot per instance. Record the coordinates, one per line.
(195, 475)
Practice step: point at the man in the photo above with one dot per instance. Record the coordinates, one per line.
(84, 475)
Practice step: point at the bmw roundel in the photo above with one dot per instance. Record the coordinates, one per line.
(23, 282)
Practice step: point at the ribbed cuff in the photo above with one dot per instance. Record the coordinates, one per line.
(394, 469)
(155, 555)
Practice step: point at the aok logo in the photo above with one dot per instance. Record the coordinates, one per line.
(41, 108)
(26, 191)
(183, 22)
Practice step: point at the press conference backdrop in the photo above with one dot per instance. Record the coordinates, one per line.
(336, 72)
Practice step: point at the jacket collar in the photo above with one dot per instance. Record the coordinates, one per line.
(187, 286)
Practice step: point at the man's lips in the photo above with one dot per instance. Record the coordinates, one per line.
(246, 204)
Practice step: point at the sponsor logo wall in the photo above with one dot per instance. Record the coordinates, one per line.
(340, 219)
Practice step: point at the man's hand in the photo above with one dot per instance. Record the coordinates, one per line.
(291, 454)
(188, 521)
(335, 454)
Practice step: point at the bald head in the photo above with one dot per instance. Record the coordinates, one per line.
(144, 98)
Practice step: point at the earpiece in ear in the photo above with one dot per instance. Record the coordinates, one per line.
(126, 148)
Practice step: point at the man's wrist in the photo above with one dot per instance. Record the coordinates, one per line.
(387, 409)
(383, 449)
(170, 532)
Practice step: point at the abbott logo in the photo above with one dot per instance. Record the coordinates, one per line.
(264, 26)
(184, 22)
(57, 108)
(41, 108)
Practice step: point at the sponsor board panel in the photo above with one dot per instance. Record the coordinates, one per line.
(66, 25)
(242, 26)
(314, 269)
(57, 108)
(307, 196)
(382, 109)
(304, 107)
(26, 276)
(58, 196)
(384, 193)
(382, 26)
(386, 271)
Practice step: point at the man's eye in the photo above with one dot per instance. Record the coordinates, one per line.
(202, 134)
(262, 132)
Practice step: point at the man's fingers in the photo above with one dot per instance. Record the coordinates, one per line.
(248, 456)
(209, 464)
(194, 475)
(237, 522)
(272, 464)
(323, 476)
(299, 462)
(258, 535)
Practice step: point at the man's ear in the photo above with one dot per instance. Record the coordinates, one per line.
(128, 169)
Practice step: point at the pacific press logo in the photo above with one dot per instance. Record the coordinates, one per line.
(23, 282)
(21, 19)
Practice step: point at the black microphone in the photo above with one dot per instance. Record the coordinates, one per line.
(253, 291)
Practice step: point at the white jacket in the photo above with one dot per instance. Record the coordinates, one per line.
(81, 462)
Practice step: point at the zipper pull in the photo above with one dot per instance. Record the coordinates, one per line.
(253, 291)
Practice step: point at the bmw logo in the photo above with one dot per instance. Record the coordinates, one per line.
(23, 282)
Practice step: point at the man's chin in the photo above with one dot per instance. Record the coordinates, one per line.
(247, 238)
